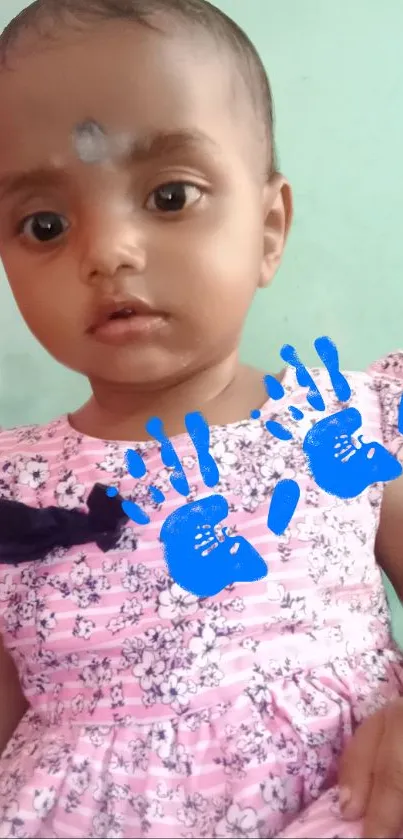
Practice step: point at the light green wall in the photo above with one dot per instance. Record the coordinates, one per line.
(337, 73)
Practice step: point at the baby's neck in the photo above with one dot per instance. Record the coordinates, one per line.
(223, 394)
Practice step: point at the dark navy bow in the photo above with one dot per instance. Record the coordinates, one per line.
(28, 533)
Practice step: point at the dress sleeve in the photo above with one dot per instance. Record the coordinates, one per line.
(387, 379)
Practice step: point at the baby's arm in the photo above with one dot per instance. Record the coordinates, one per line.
(389, 540)
(12, 701)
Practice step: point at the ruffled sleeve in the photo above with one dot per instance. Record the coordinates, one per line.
(387, 379)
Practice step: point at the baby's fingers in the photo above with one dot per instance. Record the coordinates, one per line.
(384, 813)
(357, 767)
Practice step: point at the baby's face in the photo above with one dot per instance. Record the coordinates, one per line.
(128, 175)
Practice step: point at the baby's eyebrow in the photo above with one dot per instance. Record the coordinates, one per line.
(152, 146)
(159, 143)
(14, 182)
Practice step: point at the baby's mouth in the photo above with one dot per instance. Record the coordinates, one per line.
(121, 322)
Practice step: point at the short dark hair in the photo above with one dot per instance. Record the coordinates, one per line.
(197, 13)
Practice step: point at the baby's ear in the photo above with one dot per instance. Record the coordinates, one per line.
(277, 210)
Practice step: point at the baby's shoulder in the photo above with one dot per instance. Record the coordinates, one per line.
(389, 368)
(21, 438)
(25, 451)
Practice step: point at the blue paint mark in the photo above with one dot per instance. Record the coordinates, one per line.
(274, 388)
(199, 433)
(135, 464)
(296, 413)
(339, 465)
(327, 352)
(342, 467)
(304, 378)
(400, 417)
(112, 492)
(135, 513)
(155, 428)
(197, 559)
(278, 430)
(200, 555)
(157, 495)
(282, 506)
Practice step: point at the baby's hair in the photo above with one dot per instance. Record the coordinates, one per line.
(41, 15)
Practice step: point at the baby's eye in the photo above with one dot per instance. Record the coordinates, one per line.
(173, 197)
(44, 227)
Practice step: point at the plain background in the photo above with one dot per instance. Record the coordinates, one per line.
(336, 71)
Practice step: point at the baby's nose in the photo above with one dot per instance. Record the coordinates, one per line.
(112, 247)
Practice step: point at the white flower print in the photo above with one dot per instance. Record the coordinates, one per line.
(162, 739)
(150, 670)
(97, 673)
(81, 776)
(130, 580)
(132, 652)
(112, 462)
(117, 696)
(130, 612)
(34, 473)
(176, 602)
(44, 801)
(274, 469)
(254, 493)
(156, 811)
(80, 572)
(7, 587)
(11, 823)
(238, 605)
(98, 735)
(259, 687)
(174, 692)
(273, 793)
(69, 493)
(77, 704)
(205, 647)
(83, 628)
(211, 676)
(239, 823)
(225, 457)
(46, 621)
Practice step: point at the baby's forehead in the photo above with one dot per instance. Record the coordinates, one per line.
(125, 82)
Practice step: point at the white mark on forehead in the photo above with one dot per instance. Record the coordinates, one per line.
(93, 145)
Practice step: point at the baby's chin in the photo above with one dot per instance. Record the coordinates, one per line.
(155, 371)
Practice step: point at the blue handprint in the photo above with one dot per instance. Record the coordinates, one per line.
(338, 465)
(201, 557)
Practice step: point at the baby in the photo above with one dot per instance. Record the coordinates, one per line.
(141, 207)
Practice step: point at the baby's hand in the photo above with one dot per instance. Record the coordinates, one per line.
(371, 774)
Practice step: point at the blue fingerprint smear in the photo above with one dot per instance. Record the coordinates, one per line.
(155, 428)
(327, 352)
(199, 433)
(135, 464)
(156, 495)
(304, 378)
(135, 513)
(274, 388)
(282, 506)
(277, 430)
(296, 413)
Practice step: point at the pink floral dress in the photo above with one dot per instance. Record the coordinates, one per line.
(154, 713)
